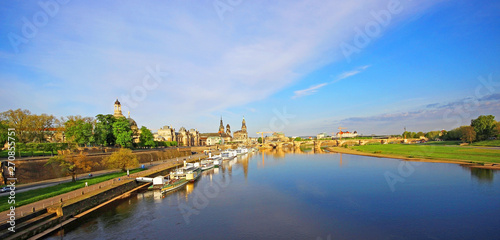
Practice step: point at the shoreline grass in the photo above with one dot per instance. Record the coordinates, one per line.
(35, 195)
(437, 152)
(487, 143)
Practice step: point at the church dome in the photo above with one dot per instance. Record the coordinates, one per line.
(132, 122)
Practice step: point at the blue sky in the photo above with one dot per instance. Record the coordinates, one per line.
(301, 67)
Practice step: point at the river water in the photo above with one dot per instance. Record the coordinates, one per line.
(276, 195)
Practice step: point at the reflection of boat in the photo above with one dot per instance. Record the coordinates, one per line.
(228, 154)
(217, 162)
(173, 184)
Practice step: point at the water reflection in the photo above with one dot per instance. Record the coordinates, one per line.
(482, 175)
(303, 196)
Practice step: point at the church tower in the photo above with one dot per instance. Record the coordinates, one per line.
(243, 125)
(228, 130)
(118, 109)
(221, 127)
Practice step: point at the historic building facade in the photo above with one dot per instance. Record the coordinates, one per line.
(241, 135)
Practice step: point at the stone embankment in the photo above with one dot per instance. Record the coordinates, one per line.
(43, 217)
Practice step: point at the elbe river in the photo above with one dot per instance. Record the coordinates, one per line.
(277, 195)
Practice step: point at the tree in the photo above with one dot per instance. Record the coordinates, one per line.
(455, 134)
(259, 140)
(420, 134)
(72, 164)
(498, 130)
(3, 132)
(103, 132)
(146, 138)
(123, 159)
(79, 130)
(41, 126)
(298, 139)
(407, 134)
(484, 126)
(18, 119)
(433, 135)
(468, 134)
(122, 132)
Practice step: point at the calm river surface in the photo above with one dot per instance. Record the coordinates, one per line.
(310, 196)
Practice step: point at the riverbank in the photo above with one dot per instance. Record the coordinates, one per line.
(38, 216)
(428, 158)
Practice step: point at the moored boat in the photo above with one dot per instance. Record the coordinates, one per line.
(228, 154)
(191, 172)
(207, 164)
(173, 184)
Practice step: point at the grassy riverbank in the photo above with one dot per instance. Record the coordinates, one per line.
(435, 152)
(31, 196)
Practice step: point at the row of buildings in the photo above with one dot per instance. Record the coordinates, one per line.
(190, 137)
(340, 134)
(193, 137)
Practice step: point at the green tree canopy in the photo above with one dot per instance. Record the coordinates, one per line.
(103, 132)
(146, 138)
(122, 132)
(259, 140)
(484, 126)
(455, 134)
(433, 135)
(79, 130)
(3, 132)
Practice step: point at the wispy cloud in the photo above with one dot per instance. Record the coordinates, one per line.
(308, 91)
(351, 73)
(314, 89)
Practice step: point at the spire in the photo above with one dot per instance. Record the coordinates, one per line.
(221, 126)
(243, 125)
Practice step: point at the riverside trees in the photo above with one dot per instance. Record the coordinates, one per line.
(123, 159)
(72, 163)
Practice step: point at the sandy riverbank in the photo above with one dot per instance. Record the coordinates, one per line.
(380, 155)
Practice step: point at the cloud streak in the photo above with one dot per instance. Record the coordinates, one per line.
(348, 74)
(308, 91)
(314, 89)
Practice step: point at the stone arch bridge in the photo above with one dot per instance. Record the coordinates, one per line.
(327, 143)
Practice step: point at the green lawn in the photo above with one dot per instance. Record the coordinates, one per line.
(487, 143)
(28, 197)
(443, 143)
(435, 152)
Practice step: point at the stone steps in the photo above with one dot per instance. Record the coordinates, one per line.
(22, 224)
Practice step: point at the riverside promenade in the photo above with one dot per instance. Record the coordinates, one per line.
(152, 168)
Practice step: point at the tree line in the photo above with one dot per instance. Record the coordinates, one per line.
(482, 128)
(103, 130)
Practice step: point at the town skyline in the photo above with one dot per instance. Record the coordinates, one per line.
(301, 68)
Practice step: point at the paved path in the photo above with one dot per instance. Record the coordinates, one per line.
(153, 167)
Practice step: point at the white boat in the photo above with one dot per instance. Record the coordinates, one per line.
(191, 172)
(173, 184)
(228, 154)
(241, 151)
(207, 164)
